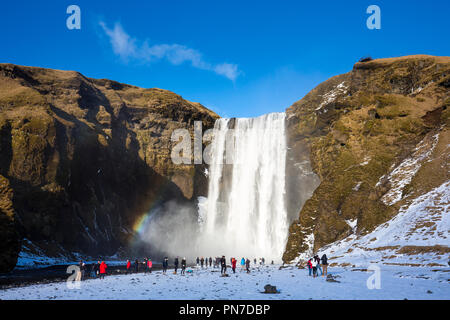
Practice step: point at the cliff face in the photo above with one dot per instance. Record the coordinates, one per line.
(377, 138)
(81, 159)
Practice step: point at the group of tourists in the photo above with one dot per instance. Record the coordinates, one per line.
(221, 262)
(147, 264)
(97, 270)
(176, 263)
(315, 265)
(204, 262)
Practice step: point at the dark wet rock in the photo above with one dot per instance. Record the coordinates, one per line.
(270, 289)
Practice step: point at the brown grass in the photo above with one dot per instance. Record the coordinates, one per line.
(412, 250)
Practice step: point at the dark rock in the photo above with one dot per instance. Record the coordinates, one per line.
(270, 289)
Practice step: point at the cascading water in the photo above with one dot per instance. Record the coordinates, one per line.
(245, 213)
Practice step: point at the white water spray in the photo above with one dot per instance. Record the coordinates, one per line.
(245, 213)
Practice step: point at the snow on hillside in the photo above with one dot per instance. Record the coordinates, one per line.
(330, 96)
(31, 256)
(418, 235)
(395, 283)
(405, 171)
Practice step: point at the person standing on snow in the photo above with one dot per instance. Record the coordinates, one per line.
(165, 264)
(233, 265)
(210, 262)
(317, 259)
(103, 268)
(145, 265)
(128, 266)
(243, 264)
(223, 264)
(149, 265)
(80, 275)
(176, 265)
(325, 265)
(198, 262)
(310, 266)
(136, 266)
(202, 261)
(183, 265)
(263, 260)
(97, 269)
(314, 264)
(247, 265)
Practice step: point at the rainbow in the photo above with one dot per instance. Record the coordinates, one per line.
(154, 201)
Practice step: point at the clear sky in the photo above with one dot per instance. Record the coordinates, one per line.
(238, 58)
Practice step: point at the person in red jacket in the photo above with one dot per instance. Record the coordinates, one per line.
(233, 265)
(128, 266)
(149, 265)
(310, 266)
(103, 267)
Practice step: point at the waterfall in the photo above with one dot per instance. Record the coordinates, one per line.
(245, 212)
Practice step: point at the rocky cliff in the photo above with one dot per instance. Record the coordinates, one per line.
(377, 137)
(81, 159)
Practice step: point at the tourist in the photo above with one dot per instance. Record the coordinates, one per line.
(317, 259)
(150, 265)
(247, 265)
(97, 269)
(80, 275)
(198, 262)
(223, 264)
(217, 261)
(210, 262)
(310, 266)
(165, 264)
(175, 262)
(254, 261)
(263, 260)
(103, 268)
(314, 264)
(233, 265)
(202, 261)
(183, 265)
(145, 265)
(324, 264)
(128, 266)
(136, 266)
(243, 264)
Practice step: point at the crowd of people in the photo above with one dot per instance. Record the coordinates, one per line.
(99, 269)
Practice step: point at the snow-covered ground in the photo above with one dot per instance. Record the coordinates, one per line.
(396, 282)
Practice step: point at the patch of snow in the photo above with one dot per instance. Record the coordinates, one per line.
(402, 175)
(331, 95)
(352, 223)
(366, 161)
(356, 187)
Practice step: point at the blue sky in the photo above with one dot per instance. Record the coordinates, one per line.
(238, 58)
